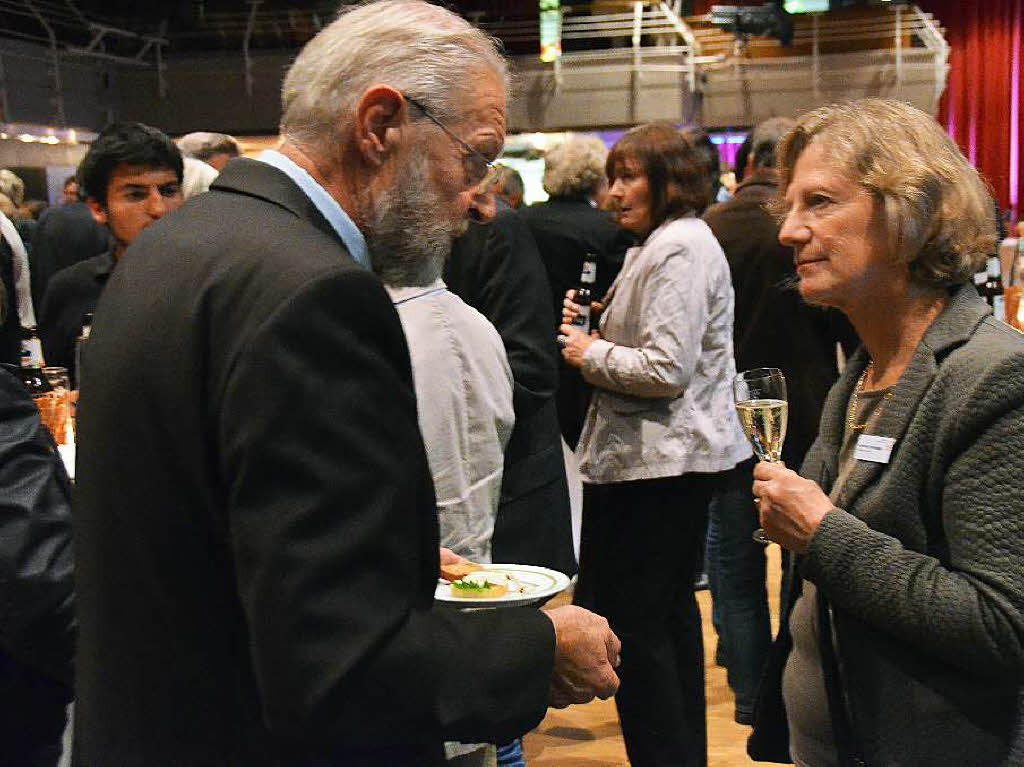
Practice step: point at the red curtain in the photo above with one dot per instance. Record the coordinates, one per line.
(983, 105)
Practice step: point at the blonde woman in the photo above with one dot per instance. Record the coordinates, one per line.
(908, 519)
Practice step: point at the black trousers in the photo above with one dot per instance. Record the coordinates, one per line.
(32, 715)
(640, 549)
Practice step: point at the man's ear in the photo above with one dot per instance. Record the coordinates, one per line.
(380, 112)
(99, 212)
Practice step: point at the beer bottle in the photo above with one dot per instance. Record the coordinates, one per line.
(992, 288)
(80, 342)
(584, 293)
(32, 363)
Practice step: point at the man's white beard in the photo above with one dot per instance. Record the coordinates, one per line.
(411, 229)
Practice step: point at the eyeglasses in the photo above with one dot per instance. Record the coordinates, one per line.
(474, 163)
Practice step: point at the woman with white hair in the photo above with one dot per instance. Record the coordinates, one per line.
(906, 609)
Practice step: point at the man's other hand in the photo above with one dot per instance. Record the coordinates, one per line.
(586, 654)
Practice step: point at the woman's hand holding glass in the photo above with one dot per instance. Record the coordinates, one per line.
(790, 507)
(574, 342)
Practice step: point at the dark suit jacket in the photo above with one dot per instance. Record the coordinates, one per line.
(64, 236)
(923, 562)
(773, 326)
(495, 269)
(37, 618)
(566, 229)
(70, 295)
(10, 327)
(256, 538)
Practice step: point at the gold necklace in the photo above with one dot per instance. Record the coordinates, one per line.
(851, 412)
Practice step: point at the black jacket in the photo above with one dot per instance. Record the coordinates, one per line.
(495, 269)
(64, 236)
(256, 534)
(71, 294)
(566, 229)
(37, 621)
(773, 326)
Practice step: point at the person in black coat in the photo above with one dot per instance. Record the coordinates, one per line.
(132, 177)
(64, 236)
(773, 327)
(568, 228)
(256, 537)
(37, 622)
(495, 269)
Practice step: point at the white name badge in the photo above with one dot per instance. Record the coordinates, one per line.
(874, 449)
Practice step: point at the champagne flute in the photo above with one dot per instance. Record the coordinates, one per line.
(763, 410)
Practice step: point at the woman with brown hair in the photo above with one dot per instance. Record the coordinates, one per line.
(660, 428)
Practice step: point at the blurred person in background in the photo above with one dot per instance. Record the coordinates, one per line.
(464, 403)
(69, 193)
(15, 271)
(495, 268)
(197, 177)
(773, 327)
(710, 164)
(215, 149)
(507, 185)
(65, 235)
(568, 227)
(660, 430)
(906, 607)
(131, 177)
(37, 623)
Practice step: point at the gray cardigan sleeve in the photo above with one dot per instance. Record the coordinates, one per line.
(673, 314)
(963, 600)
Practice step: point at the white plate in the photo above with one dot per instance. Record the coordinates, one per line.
(538, 584)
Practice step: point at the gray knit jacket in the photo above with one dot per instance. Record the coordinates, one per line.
(923, 561)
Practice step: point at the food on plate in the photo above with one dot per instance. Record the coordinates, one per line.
(468, 588)
(486, 584)
(459, 570)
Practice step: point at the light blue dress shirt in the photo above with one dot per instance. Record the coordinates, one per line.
(327, 205)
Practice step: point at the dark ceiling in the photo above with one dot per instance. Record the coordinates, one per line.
(201, 25)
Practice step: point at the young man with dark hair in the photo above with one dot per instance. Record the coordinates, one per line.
(131, 177)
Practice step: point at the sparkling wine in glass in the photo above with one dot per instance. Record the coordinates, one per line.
(763, 410)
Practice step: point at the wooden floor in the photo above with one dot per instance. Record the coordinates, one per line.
(589, 736)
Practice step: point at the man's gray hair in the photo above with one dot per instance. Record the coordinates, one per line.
(765, 138)
(202, 145)
(420, 49)
(12, 186)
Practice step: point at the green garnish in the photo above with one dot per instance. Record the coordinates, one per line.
(471, 585)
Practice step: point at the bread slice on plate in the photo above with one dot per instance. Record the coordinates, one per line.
(478, 586)
(459, 570)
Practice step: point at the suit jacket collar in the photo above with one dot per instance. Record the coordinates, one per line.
(258, 179)
(767, 179)
(950, 330)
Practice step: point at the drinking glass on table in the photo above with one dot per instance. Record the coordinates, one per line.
(54, 405)
(763, 410)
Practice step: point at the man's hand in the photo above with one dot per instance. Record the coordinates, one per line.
(449, 557)
(790, 507)
(586, 652)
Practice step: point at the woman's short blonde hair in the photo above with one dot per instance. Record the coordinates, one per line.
(939, 214)
(575, 167)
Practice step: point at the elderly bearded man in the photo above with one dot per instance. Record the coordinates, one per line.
(256, 543)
